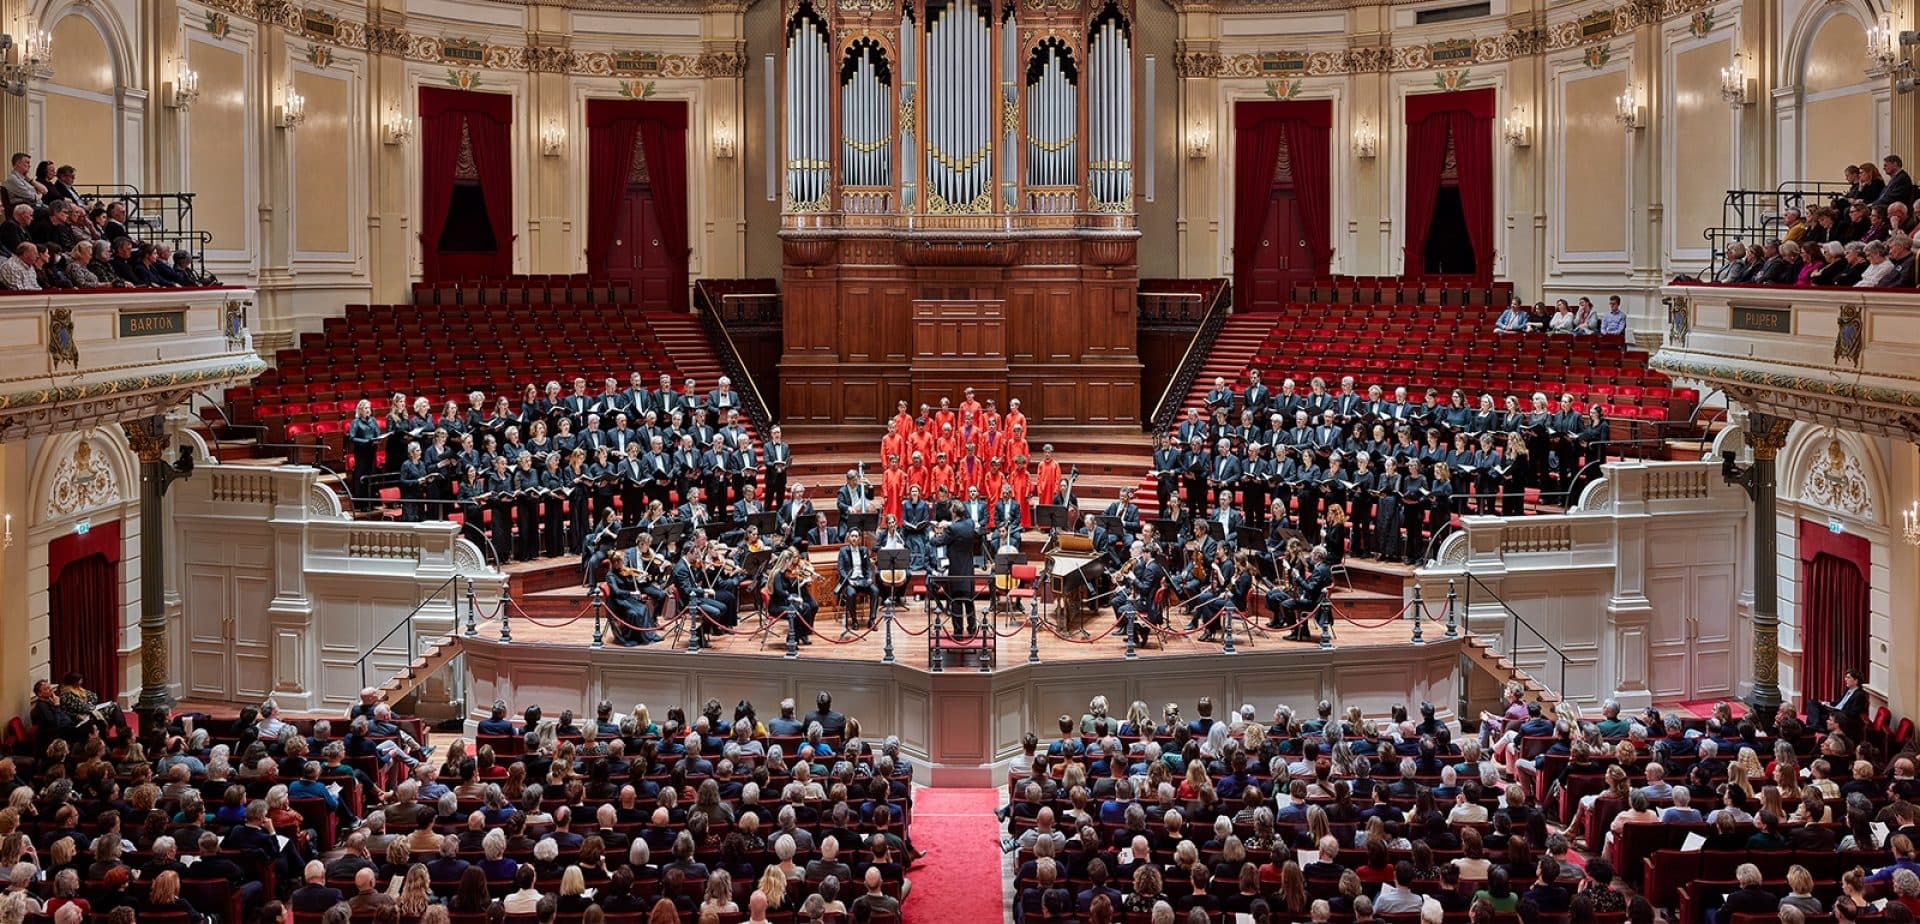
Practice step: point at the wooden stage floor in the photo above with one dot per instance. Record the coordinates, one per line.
(911, 650)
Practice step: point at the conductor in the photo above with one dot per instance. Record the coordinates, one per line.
(960, 538)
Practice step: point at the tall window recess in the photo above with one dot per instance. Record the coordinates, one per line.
(1110, 112)
(866, 115)
(1053, 119)
(809, 152)
(960, 116)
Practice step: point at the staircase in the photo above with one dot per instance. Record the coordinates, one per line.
(687, 347)
(1233, 351)
(1479, 653)
(438, 655)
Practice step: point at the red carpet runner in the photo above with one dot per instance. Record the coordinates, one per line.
(959, 880)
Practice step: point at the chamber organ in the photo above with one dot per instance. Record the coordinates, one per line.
(947, 153)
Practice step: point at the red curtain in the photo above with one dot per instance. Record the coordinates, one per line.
(1256, 144)
(489, 119)
(663, 138)
(1307, 152)
(83, 608)
(1473, 161)
(1468, 116)
(1833, 606)
(610, 140)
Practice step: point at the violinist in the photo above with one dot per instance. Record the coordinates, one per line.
(792, 594)
(1137, 596)
(633, 621)
(1205, 608)
(652, 568)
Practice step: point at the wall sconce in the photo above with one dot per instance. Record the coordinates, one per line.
(293, 111)
(398, 129)
(553, 138)
(1883, 47)
(1199, 141)
(6, 541)
(30, 57)
(1366, 143)
(723, 140)
(1628, 111)
(184, 89)
(1735, 86)
(1518, 129)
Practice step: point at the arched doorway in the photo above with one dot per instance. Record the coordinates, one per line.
(83, 608)
(1834, 607)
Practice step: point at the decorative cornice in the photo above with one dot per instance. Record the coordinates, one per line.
(1592, 29)
(44, 411)
(1876, 409)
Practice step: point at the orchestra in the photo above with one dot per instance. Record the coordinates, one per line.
(1261, 493)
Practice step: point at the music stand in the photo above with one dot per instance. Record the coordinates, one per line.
(669, 535)
(1113, 525)
(864, 522)
(1250, 537)
(767, 522)
(756, 562)
(628, 537)
(1050, 516)
(1216, 529)
(1167, 530)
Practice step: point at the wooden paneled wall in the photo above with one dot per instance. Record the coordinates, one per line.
(1068, 340)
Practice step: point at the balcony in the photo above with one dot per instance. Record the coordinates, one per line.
(79, 359)
(1842, 357)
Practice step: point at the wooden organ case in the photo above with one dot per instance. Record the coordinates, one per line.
(958, 182)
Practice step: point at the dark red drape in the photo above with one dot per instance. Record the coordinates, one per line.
(1307, 152)
(1473, 161)
(1468, 116)
(1834, 608)
(1256, 144)
(489, 123)
(610, 140)
(83, 603)
(663, 138)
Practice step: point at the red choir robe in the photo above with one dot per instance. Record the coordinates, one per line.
(894, 486)
(1046, 481)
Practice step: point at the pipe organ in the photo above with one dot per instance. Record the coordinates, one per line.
(960, 107)
(958, 207)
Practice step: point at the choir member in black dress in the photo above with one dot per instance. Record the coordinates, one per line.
(1489, 471)
(1520, 470)
(396, 430)
(578, 476)
(1386, 516)
(413, 486)
(363, 441)
(1335, 534)
(1439, 507)
(526, 488)
(497, 491)
(467, 500)
(555, 487)
(1414, 493)
(1366, 482)
(443, 463)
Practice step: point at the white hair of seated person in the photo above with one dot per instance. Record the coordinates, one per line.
(1162, 913)
(638, 854)
(494, 845)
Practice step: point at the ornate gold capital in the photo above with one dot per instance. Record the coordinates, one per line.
(147, 438)
(1766, 434)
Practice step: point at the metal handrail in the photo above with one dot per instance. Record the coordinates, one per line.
(1747, 214)
(756, 404)
(1188, 369)
(1517, 621)
(407, 623)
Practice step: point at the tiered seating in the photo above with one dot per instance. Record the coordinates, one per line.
(1440, 346)
(537, 289)
(440, 352)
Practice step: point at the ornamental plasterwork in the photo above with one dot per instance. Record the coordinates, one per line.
(83, 482)
(1835, 482)
(1872, 409)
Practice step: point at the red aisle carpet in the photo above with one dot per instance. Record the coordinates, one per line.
(959, 880)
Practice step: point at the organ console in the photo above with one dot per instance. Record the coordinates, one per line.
(958, 202)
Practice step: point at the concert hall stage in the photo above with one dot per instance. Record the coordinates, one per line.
(959, 722)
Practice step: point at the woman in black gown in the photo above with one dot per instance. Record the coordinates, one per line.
(634, 617)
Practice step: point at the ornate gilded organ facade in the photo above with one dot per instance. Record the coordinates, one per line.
(958, 206)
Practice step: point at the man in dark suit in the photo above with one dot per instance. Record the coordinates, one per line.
(1750, 898)
(856, 578)
(1306, 596)
(1328, 867)
(448, 866)
(1848, 710)
(1900, 186)
(961, 538)
(315, 897)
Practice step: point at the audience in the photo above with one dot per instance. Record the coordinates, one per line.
(570, 833)
(77, 244)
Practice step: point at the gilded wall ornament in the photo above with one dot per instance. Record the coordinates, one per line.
(1849, 340)
(60, 343)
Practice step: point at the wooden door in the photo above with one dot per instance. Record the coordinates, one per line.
(636, 255)
(1281, 259)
